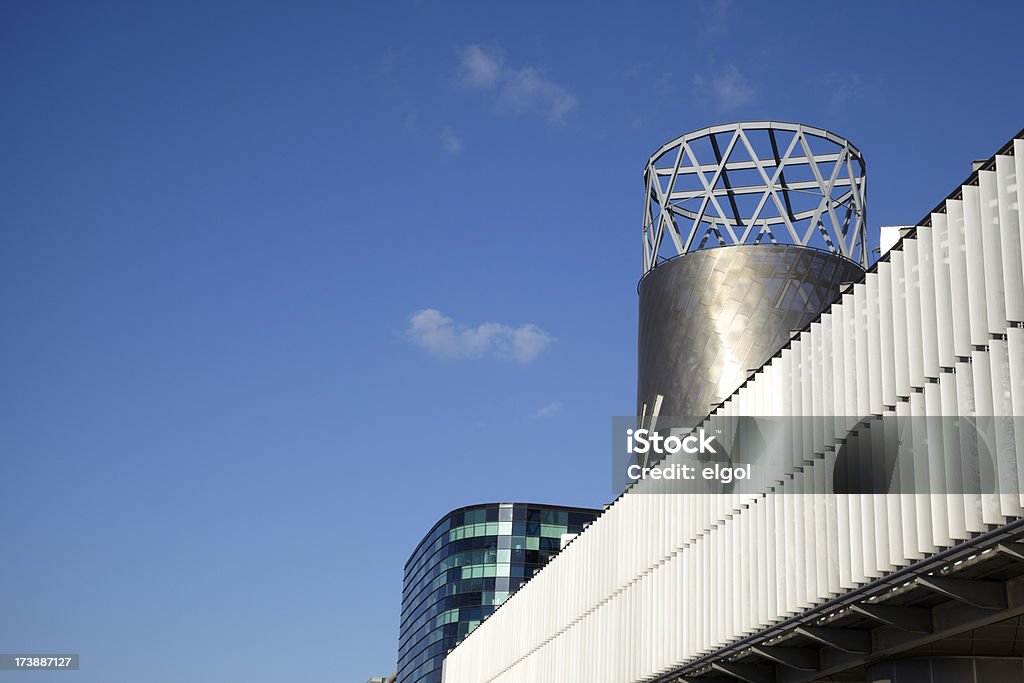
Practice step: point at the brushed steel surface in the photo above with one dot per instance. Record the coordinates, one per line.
(709, 318)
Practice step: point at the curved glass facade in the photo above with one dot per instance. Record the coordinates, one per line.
(466, 566)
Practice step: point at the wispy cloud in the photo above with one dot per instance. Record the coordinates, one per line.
(443, 337)
(844, 88)
(548, 411)
(481, 68)
(528, 90)
(726, 90)
(450, 142)
(525, 90)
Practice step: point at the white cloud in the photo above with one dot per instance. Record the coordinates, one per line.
(527, 90)
(481, 68)
(550, 410)
(517, 91)
(441, 336)
(726, 90)
(450, 141)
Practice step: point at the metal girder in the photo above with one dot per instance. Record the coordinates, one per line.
(948, 619)
(820, 204)
(745, 165)
(753, 189)
(983, 594)
(751, 673)
(856, 641)
(913, 619)
(725, 179)
(782, 176)
(802, 658)
(1014, 550)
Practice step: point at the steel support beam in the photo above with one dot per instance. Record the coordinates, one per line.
(984, 594)
(948, 619)
(802, 658)
(751, 673)
(913, 619)
(1014, 550)
(855, 641)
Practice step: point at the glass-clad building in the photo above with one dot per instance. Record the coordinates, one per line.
(466, 566)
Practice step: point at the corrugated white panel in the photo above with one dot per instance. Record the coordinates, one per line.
(959, 305)
(860, 337)
(1015, 363)
(1018, 200)
(894, 509)
(882, 529)
(814, 360)
(899, 323)
(964, 374)
(848, 310)
(928, 336)
(941, 282)
(1003, 430)
(1010, 238)
(912, 288)
(886, 335)
(995, 297)
(922, 502)
(820, 516)
(908, 505)
(974, 255)
(983, 450)
(828, 377)
(937, 472)
(955, 503)
(808, 594)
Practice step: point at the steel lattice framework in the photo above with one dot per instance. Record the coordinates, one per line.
(755, 182)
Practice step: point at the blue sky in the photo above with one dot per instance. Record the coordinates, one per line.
(283, 283)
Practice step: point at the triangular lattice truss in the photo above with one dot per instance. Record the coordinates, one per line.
(751, 183)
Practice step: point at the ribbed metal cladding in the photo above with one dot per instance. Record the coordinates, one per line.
(709, 318)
